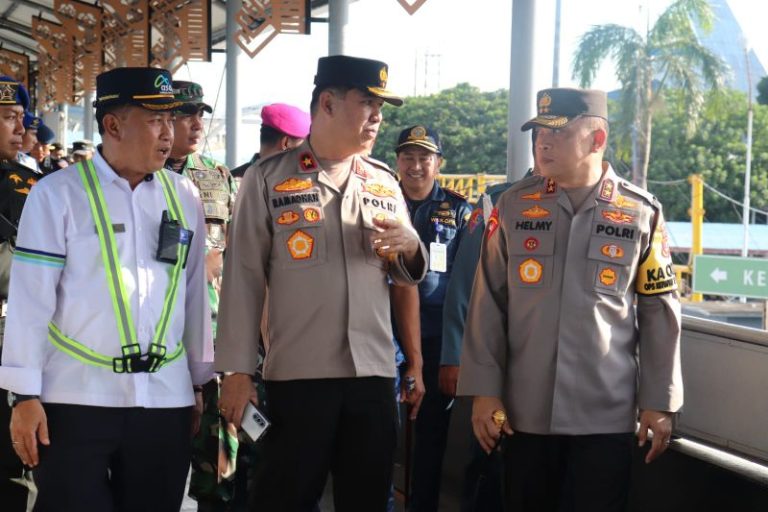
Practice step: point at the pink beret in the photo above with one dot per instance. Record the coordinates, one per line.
(286, 119)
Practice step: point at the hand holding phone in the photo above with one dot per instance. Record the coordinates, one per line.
(254, 422)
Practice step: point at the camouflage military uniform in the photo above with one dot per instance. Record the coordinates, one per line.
(217, 451)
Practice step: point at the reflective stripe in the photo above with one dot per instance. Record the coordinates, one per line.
(88, 356)
(110, 257)
(108, 253)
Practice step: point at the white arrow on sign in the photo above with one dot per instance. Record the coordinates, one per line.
(718, 275)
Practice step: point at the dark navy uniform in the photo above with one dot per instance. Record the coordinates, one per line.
(438, 218)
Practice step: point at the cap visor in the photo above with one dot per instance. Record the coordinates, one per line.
(422, 144)
(386, 95)
(547, 122)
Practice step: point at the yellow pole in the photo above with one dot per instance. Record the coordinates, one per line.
(697, 220)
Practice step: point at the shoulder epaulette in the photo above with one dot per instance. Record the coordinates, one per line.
(273, 157)
(529, 182)
(378, 163)
(454, 193)
(631, 187)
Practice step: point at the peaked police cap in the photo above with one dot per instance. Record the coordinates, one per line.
(365, 74)
(557, 107)
(151, 88)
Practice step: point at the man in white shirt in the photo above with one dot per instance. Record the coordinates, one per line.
(109, 327)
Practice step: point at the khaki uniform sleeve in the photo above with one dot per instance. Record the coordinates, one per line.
(484, 354)
(245, 276)
(397, 269)
(659, 326)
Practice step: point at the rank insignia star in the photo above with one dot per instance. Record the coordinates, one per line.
(307, 162)
(606, 190)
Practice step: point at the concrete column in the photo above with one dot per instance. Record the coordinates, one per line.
(338, 18)
(521, 93)
(88, 116)
(233, 105)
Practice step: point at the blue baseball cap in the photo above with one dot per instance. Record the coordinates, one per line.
(13, 92)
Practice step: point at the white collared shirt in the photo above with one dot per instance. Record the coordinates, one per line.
(68, 286)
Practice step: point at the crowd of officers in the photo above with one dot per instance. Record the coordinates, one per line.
(333, 287)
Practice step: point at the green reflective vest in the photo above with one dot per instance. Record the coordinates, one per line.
(132, 359)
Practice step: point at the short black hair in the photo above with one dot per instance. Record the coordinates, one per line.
(336, 90)
(103, 111)
(269, 135)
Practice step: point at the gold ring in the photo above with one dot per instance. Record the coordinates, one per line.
(499, 417)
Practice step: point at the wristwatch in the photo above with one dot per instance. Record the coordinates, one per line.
(14, 399)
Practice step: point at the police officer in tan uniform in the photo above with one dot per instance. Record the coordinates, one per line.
(553, 337)
(325, 230)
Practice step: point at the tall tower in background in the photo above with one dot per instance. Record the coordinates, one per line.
(727, 41)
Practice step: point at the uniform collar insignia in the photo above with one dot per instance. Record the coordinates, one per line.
(307, 162)
(551, 186)
(606, 189)
(360, 171)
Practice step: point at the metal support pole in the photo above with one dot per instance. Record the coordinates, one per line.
(521, 93)
(233, 105)
(63, 122)
(338, 18)
(88, 116)
(697, 219)
(556, 56)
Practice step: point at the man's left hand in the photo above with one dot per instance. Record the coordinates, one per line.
(197, 412)
(394, 239)
(448, 379)
(660, 423)
(416, 395)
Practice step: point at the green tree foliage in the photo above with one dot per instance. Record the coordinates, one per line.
(472, 126)
(762, 91)
(716, 151)
(668, 55)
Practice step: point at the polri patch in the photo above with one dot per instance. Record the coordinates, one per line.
(300, 245)
(530, 271)
(531, 243)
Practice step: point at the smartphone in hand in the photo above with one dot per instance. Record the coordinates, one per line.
(254, 422)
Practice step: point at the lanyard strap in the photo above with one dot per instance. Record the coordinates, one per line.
(112, 266)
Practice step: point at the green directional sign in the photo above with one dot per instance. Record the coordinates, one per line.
(730, 275)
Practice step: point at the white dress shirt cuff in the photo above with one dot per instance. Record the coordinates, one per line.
(22, 381)
(201, 373)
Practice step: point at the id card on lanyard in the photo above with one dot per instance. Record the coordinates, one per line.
(438, 252)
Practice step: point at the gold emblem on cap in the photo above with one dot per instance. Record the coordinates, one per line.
(544, 102)
(7, 93)
(418, 132)
(383, 77)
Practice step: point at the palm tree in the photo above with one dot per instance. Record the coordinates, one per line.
(668, 55)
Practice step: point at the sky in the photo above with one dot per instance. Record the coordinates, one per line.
(444, 43)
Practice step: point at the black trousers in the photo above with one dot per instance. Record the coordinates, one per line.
(105, 459)
(431, 433)
(556, 473)
(343, 426)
